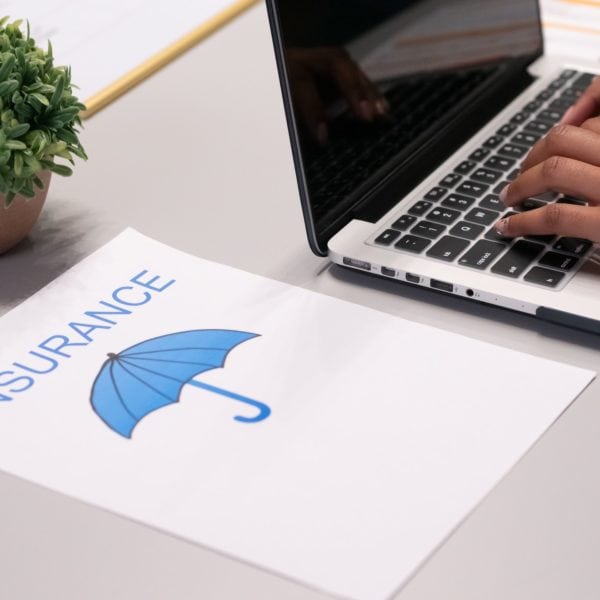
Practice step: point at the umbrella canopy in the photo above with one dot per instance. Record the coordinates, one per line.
(152, 374)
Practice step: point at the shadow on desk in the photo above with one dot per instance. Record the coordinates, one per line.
(433, 298)
(60, 239)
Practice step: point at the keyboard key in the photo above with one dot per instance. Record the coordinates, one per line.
(529, 204)
(560, 104)
(520, 117)
(549, 116)
(525, 138)
(420, 208)
(538, 127)
(517, 259)
(486, 175)
(544, 239)
(557, 84)
(450, 180)
(465, 167)
(545, 95)
(492, 202)
(387, 237)
(469, 231)
(482, 254)
(573, 245)
(500, 163)
(571, 94)
(404, 222)
(482, 216)
(472, 188)
(479, 154)
(532, 106)
(506, 129)
(583, 81)
(514, 174)
(568, 74)
(412, 243)
(448, 248)
(428, 230)
(445, 216)
(545, 277)
(500, 187)
(571, 200)
(513, 150)
(563, 262)
(436, 193)
(458, 202)
(546, 196)
(493, 142)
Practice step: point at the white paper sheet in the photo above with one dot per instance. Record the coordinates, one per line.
(383, 434)
(572, 28)
(103, 40)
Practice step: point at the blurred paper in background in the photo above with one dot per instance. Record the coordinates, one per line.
(112, 45)
(572, 27)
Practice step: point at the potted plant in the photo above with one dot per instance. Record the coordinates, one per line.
(39, 116)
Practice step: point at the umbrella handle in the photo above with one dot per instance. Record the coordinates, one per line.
(264, 410)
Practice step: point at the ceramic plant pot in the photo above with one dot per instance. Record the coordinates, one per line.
(17, 220)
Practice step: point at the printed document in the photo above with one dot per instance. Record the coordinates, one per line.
(318, 439)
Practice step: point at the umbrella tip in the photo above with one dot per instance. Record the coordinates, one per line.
(112, 356)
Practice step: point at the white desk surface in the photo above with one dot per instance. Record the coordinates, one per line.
(198, 157)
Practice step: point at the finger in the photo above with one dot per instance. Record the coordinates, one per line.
(569, 141)
(587, 106)
(350, 82)
(364, 98)
(592, 124)
(375, 95)
(322, 64)
(335, 64)
(559, 174)
(311, 107)
(559, 219)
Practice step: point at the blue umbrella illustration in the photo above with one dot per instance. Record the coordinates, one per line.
(152, 374)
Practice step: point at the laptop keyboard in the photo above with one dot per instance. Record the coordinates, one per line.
(453, 222)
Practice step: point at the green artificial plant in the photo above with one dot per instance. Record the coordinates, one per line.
(39, 114)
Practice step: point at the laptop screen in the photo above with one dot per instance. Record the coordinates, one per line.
(369, 80)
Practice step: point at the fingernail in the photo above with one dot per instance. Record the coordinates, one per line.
(501, 226)
(566, 116)
(503, 194)
(322, 133)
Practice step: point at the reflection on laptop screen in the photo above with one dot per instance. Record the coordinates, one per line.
(370, 79)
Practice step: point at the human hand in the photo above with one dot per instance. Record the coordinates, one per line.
(567, 160)
(313, 70)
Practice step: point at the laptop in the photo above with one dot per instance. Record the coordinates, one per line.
(406, 119)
